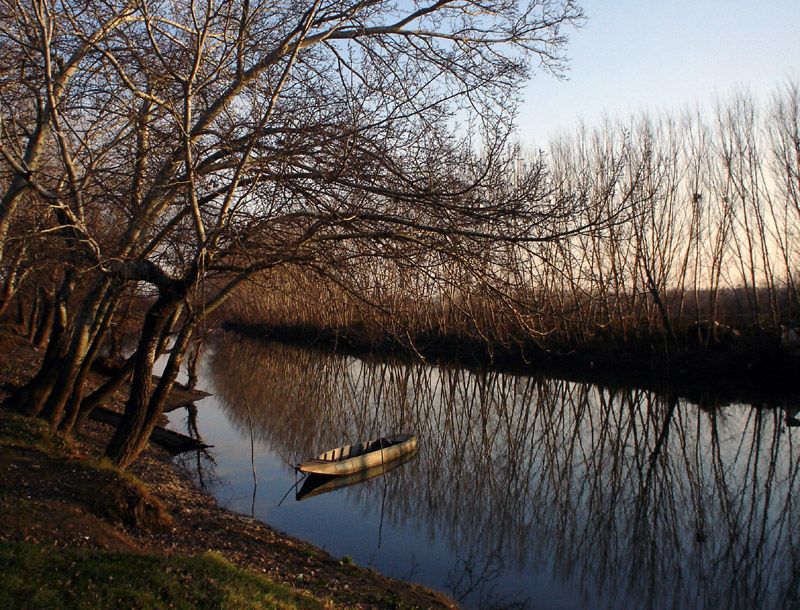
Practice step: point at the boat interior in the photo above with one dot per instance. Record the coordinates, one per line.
(351, 451)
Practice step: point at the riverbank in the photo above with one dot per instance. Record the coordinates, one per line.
(748, 368)
(72, 527)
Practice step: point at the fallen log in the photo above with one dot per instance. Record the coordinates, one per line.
(181, 395)
(172, 441)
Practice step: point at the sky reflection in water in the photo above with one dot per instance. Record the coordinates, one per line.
(526, 492)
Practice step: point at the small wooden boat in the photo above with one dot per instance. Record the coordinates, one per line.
(361, 456)
(317, 484)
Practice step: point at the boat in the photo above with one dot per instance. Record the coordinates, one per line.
(317, 484)
(360, 456)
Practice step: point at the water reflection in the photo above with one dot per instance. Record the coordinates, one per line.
(634, 498)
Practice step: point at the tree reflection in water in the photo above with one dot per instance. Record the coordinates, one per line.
(638, 498)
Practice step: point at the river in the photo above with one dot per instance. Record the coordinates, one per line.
(526, 492)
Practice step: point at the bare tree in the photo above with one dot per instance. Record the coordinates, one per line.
(199, 143)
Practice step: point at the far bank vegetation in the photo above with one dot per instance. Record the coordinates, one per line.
(688, 238)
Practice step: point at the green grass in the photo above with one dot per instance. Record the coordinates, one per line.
(21, 432)
(35, 576)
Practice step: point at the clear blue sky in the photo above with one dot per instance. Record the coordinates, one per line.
(644, 55)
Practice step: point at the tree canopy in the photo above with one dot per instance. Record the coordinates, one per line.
(186, 146)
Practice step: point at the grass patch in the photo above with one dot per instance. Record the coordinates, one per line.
(35, 576)
(114, 495)
(122, 498)
(21, 432)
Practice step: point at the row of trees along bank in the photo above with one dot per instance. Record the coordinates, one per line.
(702, 250)
(174, 151)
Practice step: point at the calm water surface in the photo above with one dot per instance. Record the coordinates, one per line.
(527, 492)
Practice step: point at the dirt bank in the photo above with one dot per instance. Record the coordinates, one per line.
(54, 492)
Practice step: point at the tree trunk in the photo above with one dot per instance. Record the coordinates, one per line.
(96, 398)
(8, 204)
(671, 339)
(69, 366)
(6, 294)
(132, 432)
(194, 357)
(79, 385)
(85, 330)
(32, 396)
(113, 383)
(42, 335)
(33, 319)
(12, 280)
